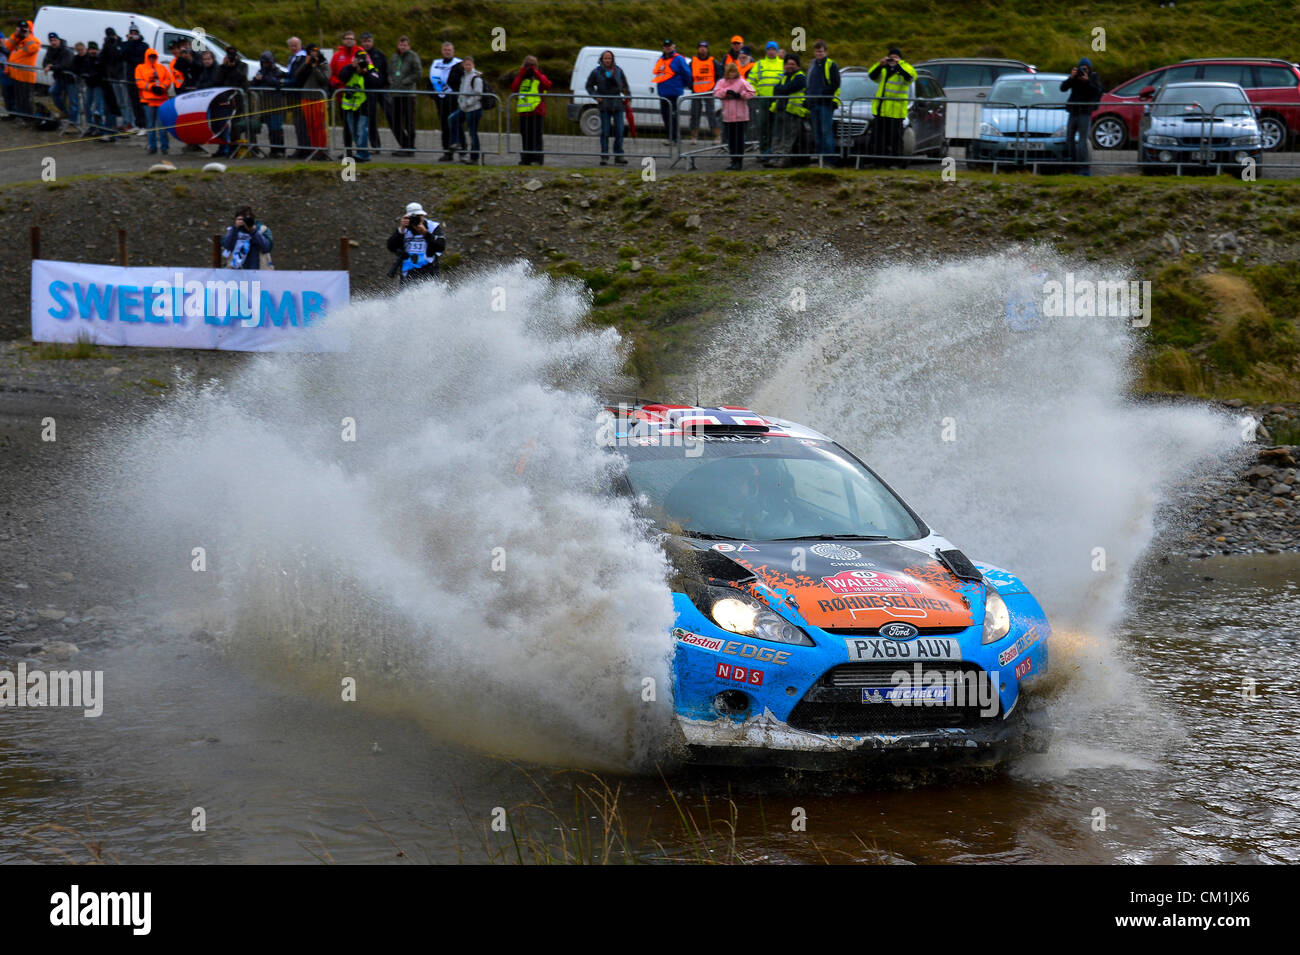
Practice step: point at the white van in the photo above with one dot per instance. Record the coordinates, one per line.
(80, 25)
(637, 65)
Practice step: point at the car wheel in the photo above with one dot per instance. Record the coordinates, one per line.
(1109, 133)
(1272, 132)
(590, 121)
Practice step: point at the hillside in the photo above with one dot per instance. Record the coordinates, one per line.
(1139, 36)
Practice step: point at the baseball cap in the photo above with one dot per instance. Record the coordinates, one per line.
(367, 36)
(668, 42)
(737, 39)
(92, 45)
(771, 45)
(895, 50)
(52, 36)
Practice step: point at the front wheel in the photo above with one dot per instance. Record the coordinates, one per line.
(1272, 132)
(589, 121)
(1109, 133)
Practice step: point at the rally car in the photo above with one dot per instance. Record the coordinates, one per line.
(818, 619)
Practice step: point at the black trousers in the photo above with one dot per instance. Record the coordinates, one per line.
(530, 131)
(668, 110)
(403, 120)
(886, 136)
(735, 136)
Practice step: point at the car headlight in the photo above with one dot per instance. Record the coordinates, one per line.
(988, 129)
(997, 619)
(741, 613)
(1251, 140)
(1060, 131)
(1161, 141)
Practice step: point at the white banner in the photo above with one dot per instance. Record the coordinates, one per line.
(233, 309)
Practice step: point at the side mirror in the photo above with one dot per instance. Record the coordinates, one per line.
(1147, 92)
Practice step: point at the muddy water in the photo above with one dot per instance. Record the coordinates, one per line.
(1182, 762)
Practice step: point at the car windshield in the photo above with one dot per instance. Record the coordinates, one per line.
(1030, 90)
(856, 86)
(764, 488)
(1201, 101)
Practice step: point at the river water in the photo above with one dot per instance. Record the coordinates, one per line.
(498, 618)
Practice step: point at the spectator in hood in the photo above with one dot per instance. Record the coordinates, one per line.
(134, 50)
(58, 63)
(208, 71)
(406, 69)
(377, 102)
(530, 83)
(672, 78)
(1084, 85)
(116, 105)
(893, 77)
(21, 50)
(313, 77)
(444, 78)
(154, 80)
(270, 80)
(607, 84)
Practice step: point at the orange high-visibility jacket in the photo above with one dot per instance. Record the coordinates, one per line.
(22, 56)
(149, 75)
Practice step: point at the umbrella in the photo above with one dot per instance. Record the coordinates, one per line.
(631, 119)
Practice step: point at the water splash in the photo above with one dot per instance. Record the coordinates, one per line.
(457, 559)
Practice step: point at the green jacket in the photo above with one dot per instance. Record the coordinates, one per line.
(405, 70)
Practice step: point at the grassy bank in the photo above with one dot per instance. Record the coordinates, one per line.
(1138, 36)
(1222, 255)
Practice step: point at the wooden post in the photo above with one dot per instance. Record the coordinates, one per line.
(36, 242)
(345, 253)
(121, 247)
(216, 251)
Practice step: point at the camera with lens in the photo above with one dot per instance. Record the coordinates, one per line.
(415, 222)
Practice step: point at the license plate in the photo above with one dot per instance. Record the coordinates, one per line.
(1033, 145)
(923, 648)
(1205, 155)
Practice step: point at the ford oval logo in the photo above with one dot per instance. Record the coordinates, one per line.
(899, 631)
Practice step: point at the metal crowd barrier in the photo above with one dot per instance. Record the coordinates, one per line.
(562, 136)
(394, 108)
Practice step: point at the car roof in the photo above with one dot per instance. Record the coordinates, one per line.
(1238, 59)
(672, 419)
(978, 60)
(1026, 77)
(1202, 84)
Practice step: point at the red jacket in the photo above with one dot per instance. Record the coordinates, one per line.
(341, 58)
(543, 85)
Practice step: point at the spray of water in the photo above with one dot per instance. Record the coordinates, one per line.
(1011, 433)
(458, 559)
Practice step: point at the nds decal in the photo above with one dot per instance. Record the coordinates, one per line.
(1019, 647)
(730, 671)
(924, 648)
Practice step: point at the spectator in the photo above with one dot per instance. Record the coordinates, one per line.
(379, 100)
(607, 84)
(672, 75)
(823, 84)
(733, 53)
(1085, 92)
(764, 76)
(208, 71)
(406, 72)
(241, 126)
(247, 243)
(134, 51)
(789, 109)
(21, 50)
(115, 94)
(77, 87)
(358, 76)
(530, 83)
(185, 68)
(312, 76)
(419, 243)
(58, 63)
(271, 107)
(342, 57)
(893, 77)
(734, 90)
(704, 77)
(93, 77)
(469, 107)
(154, 81)
(444, 77)
(295, 99)
(6, 84)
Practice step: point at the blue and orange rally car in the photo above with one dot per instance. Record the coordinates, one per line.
(819, 619)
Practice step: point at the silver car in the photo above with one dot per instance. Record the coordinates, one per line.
(966, 81)
(1199, 125)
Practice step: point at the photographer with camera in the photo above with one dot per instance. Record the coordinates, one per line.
(418, 243)
(1085, 93)
(247, 243)
(358, 75)
(154, 81)
(312, 74)
(22, 49)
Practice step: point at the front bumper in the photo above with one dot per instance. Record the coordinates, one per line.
(1019, 151)
(1199, 157)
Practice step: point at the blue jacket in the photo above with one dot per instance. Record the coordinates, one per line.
(246, 248)
(680, 81)
(822, 83)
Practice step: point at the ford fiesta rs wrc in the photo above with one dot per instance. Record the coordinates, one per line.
(819, 620)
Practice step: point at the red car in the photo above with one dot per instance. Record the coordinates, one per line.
(1271, 85)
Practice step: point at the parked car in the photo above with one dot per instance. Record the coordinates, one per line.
(1024, 119)
(924, 129)
(80, 25)
(1271, 84)
(966, 81)
(639, 67)
(1203, 125)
